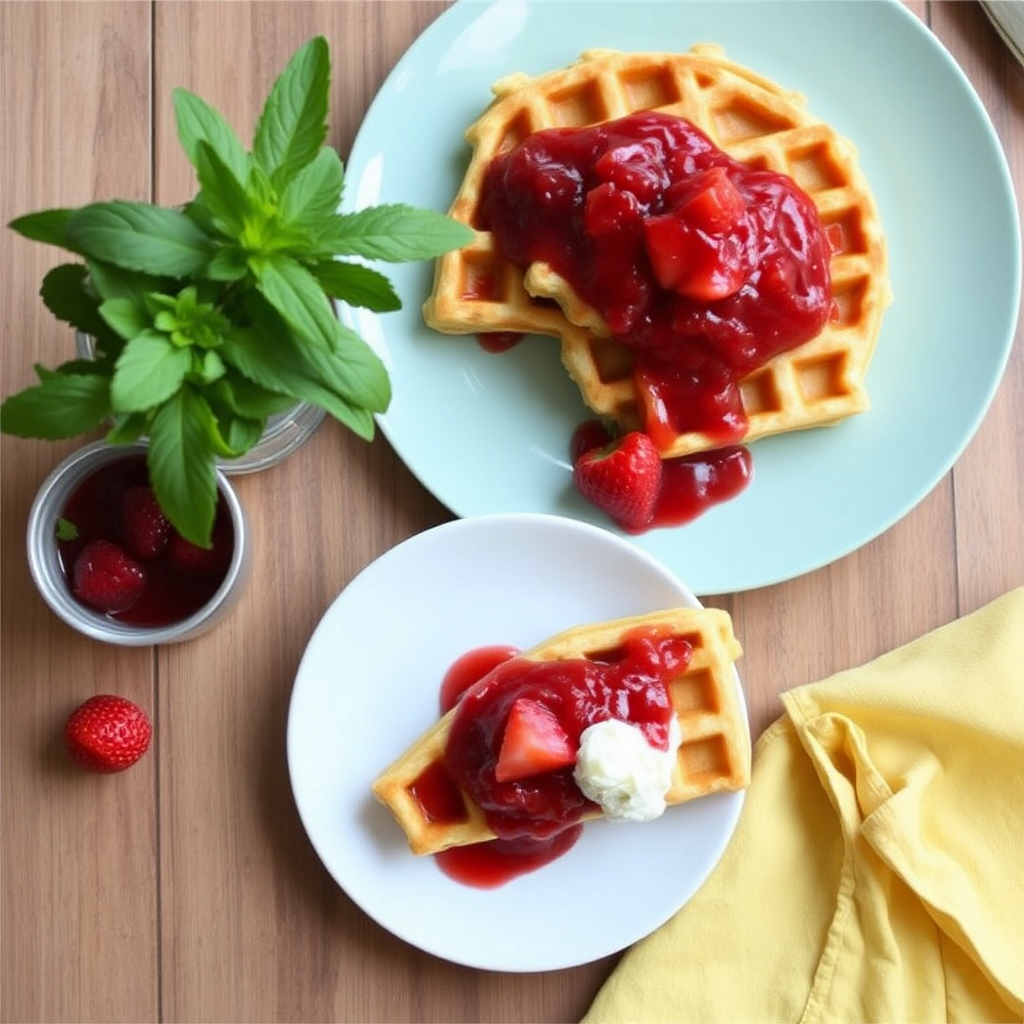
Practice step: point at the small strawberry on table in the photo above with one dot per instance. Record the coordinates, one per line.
(107, 734)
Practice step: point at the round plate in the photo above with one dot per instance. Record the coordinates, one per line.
(369, 684)
(490, 433)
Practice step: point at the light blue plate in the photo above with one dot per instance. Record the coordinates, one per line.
(489, 433)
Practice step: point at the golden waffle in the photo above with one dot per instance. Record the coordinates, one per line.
(756, 122)
(714, 754)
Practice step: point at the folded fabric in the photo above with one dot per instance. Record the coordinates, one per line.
(877, 870)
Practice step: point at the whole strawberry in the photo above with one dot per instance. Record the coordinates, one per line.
(190, 559)
(106, 577)
(145, 528)
(107, 734)
(622, 479)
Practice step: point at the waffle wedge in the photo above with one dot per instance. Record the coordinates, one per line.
(756, 122)
(714, 754)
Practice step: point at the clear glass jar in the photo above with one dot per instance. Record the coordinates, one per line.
(285, 432)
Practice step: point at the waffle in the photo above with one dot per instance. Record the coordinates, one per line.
(756, 122)
(715, 751)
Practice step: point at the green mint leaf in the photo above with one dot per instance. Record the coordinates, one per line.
(293, 124)
(66, 530)
(360, 421)
(100, 366)
(223, 195)
(207, 367)
(297, 296)
(182, 467)
(243, 397)
(65, 295)
(286, 366)
(395, 233)
(110, 282)
(125, 316)
(229, 263)
(261, 192)
(345, 365)
(199, 122)
(357, 285)
(195, 210)
(239, 434)
(128, 428)
(62, 405)
(138, 236)
(314, 194)
(45, 226)
(354, 371)
(349, 368)
(148, 372)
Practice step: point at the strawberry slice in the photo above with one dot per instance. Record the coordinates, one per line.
(608, 210)
(693, 263)
(675, 249)
(709, 201)
(698, 248)
(534, 743)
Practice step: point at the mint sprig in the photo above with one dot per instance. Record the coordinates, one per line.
(209, 318)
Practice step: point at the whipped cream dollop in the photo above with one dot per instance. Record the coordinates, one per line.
(619, 770)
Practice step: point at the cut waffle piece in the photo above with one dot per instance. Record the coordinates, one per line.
(756, 122)
(714, 755)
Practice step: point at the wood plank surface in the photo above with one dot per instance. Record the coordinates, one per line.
(186, 889)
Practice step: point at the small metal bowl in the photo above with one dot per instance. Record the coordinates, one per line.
(45, 565)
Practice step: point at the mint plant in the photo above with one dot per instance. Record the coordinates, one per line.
(209, 318)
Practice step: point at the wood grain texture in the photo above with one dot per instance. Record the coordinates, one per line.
(185, 889)
(78, 863)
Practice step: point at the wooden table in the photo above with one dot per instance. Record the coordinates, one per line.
(185, 889)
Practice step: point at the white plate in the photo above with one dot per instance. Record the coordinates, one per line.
(490, 433)
(369, 684)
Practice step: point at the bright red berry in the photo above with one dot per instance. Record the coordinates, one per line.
(106, 577)
(622, 479)
(144, 526)
(534, 742)
(700, 247)
(192, 560)
(708, 200)
(107, 734)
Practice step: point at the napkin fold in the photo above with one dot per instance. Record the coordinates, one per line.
(877, 870)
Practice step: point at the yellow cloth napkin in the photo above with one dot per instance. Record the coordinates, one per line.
(877, 870)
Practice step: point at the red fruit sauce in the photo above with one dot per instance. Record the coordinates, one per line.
(169, 596)
(470, 668)
(689, 485)
(537, 819)
(593, 202)
(694, 483)
(497, 342)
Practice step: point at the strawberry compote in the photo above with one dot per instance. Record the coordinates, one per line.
(629, 683)
(537, 818)
(704, 267)
(179, 578)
